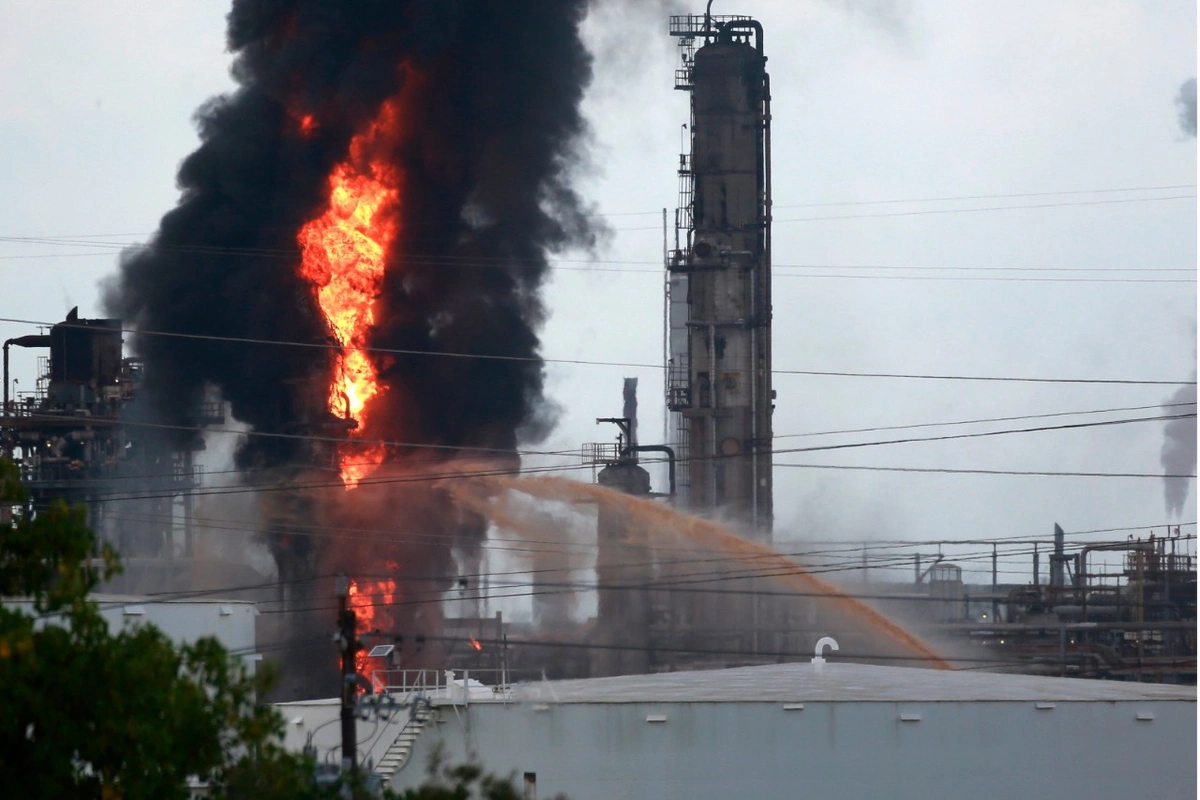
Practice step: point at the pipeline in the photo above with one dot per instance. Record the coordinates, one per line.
(34, 340)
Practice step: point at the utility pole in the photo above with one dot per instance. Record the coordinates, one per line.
(348, 644)
(995, 588)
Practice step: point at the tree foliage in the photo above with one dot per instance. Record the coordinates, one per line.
(87, 712)
(462, 782)
(92, 713)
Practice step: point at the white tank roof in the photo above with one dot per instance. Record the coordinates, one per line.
(840, 682)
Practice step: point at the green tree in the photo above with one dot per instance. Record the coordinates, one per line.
(85, 712)
(462, 782)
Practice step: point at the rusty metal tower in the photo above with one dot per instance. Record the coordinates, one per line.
(719, 274)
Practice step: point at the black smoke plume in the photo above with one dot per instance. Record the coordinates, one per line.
(488, 155)
(490, 138)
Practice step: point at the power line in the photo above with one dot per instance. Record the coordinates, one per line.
(982, 663)
(722, 575)
(689, 583)
(547, 547)
(994, 208)
(588, 264)
(994, 279)
(948, 471)
(979, 421)
(992, 196)
(516, 472)
(671, 584)
(926, 212)
(984, 378)
(558, 266)
(657, 211)
(333, 439)
(875, 554)
(584, 362)
(980, 434)
(574, 453)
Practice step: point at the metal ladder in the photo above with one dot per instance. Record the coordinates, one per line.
(396, 756)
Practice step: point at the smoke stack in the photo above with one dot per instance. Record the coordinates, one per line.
(1056, 560)
(629, 409)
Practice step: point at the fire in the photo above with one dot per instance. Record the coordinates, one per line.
(368, 599)
(344, 253)
(475, 645)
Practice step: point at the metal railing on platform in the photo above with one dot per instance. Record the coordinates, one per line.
(696, 24)
(456, 685)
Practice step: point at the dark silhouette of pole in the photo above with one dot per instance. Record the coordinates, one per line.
(348, 643)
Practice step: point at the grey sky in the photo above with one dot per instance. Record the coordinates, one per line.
(873, 101)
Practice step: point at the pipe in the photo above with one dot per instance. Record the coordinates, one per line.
(754, 399)
(1056, 561)
(1077, 627)
(666, 434)
(33, 340)
(763, 270)
(661, 448)
(739, 24)
(712, 404)
(1081, 578)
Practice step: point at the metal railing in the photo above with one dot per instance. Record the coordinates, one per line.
(679, 387)
(695, 25)
(449, 684)
(596, 454)
(208, 414)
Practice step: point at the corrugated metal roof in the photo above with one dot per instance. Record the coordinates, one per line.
(834, 682)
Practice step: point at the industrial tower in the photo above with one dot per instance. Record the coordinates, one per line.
(718, 381)
(82, 436)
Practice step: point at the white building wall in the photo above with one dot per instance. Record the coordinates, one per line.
(956, 749)
(183, 621)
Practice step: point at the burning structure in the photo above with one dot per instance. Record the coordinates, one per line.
(353, 271)
(354, 267)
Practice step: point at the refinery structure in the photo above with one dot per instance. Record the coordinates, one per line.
(372, 475)
(719, 286)
(80, 436)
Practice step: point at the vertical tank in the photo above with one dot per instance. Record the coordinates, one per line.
(721, 348)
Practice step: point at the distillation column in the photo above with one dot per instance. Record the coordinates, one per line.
(721, 352)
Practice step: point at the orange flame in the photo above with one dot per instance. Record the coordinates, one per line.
(344, 252)
(367, 599)
(475, 645)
